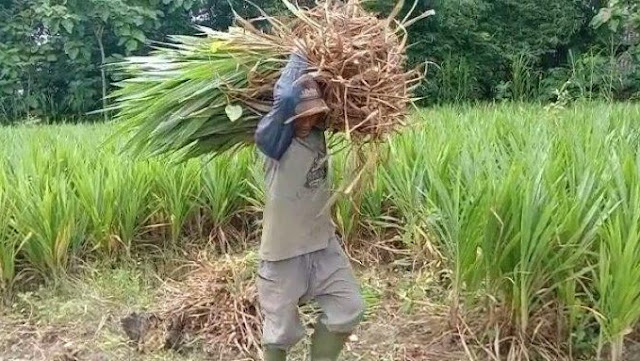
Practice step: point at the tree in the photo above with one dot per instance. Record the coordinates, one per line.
(124, 21)
(617, 36)
(50, 47)
(25, 53)
(53, 52)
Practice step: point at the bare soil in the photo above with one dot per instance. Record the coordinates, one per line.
(101, 315)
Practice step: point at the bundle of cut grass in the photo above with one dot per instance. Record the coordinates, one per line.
(205, 95)
(217, 303)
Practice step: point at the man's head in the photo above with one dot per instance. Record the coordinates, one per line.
(311, 110)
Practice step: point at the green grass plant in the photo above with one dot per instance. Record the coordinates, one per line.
(534, 212)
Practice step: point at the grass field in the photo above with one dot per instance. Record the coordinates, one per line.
(517, 227)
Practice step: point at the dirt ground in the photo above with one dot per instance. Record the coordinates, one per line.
(80, 318)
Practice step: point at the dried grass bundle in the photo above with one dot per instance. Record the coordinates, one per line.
(205, 95)
(360, 61)
(217, 302)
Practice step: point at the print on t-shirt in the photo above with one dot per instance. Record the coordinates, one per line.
(318, 171)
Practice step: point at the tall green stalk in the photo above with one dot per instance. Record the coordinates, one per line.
(9, 241)
(618, 268)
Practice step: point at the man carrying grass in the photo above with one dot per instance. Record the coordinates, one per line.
(300, 256)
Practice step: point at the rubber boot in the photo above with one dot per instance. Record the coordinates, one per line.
(326, 345)
(274, 354)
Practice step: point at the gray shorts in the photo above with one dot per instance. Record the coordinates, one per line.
(323, 276)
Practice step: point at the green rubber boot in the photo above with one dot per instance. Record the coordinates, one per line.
(326, 345)
(275, 354)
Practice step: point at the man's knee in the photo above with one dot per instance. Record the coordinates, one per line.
(281, 333)
(284, 344)
(351, 314)
(357, 309)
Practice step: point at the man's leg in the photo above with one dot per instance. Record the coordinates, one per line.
(337, 292)
(281, 284)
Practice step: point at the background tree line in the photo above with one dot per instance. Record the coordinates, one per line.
(52, 51)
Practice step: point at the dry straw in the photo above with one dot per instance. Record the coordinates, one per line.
(217, 303)
(359, 60)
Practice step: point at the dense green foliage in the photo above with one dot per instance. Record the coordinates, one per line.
(51, 51)
(528, 50)
(534, 211)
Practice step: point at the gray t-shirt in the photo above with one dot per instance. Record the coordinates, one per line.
(296, 218)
